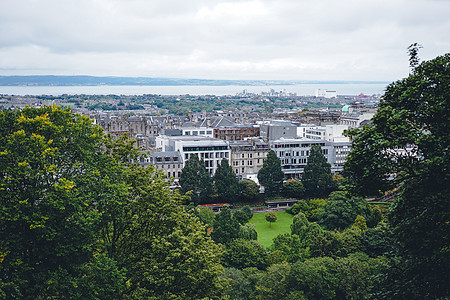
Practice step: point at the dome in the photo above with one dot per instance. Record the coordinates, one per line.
(345, 108)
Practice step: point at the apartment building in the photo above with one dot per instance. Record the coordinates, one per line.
(293, 154)
(211, 150)
(247, 157)
(236, 133)
(169, 162)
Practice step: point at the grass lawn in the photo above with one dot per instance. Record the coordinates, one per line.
(267, 232)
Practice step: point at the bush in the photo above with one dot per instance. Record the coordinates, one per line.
(249, 190)
(293, 188)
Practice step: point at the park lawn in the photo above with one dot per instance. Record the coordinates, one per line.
(267, 232)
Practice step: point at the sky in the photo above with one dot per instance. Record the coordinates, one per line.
(219, 39)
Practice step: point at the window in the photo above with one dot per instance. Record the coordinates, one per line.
(202, 132)
(208, 132)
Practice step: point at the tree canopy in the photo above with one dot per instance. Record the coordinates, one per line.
(194, 177)
(271, 176)
(411, 143)
(79, 221)
(317, 178)
(226, 183)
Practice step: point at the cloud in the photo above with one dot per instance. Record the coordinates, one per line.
(239, 39)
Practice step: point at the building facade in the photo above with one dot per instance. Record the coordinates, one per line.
(211, 150)
(247, 157)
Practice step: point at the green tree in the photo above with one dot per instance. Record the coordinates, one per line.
(293, 188)
(317, 178)
(271, 217)
(226, 227)
(241, 253)
(249, 190)
(248, 211)
(206, 215)
(271, 176)
(248, 232)
(292, 247)
(54, 182)
(226, 182)
(341, 211)
(161, 237)
(305, 230)
(194, 177)
(412, 126)
(244, 215)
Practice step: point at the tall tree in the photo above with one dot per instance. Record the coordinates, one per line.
(166, 250)
(413, 128)
(317, 178)
(226, 182)
(226, 227)
(55, 180)
(271, 176)
(194, 177)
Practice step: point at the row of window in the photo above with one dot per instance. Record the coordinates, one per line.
(198, 132)
(207, 155)
(205, 148)
(298, 145)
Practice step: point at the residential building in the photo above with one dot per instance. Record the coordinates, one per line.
(236, 133)
(293, 154)
(247, 157)
(169, 162)
(211, 150)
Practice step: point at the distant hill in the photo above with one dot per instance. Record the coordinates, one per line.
(56, 80)
(49, 80)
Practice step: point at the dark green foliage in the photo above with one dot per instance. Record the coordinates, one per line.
(377, 241)
(309, 207)
(318, 278)
(226, 183)
(291, 247)
(276, 283)
(341, 211)
(249, 190)
(226, 227)
(241, 217)
(293, 188)
(271, 176)
(305, 230)
(194, 177)
(240, 287)
(413, 118)
(367, 168)
(242, 253)
(248, 211)
(317, 178)
(101, 279)
(329, 244)
(248, 232)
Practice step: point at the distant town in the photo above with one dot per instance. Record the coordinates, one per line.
(241, 127)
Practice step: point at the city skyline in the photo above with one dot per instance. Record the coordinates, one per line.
(236, 40)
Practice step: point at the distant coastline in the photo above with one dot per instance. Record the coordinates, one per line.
(80, 80)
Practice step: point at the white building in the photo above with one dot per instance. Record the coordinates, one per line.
(331, 133)
(202, 131)
(326, 93)
(293, 154)
(211, 150)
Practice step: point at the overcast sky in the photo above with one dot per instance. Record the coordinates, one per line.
(213, 39)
